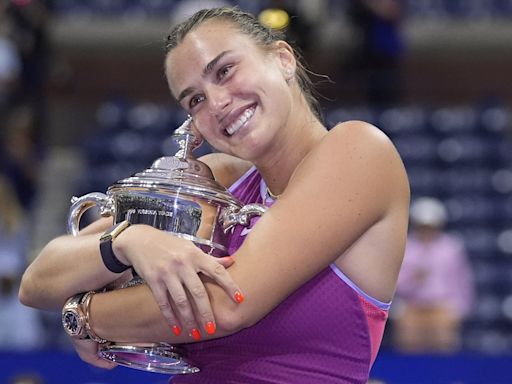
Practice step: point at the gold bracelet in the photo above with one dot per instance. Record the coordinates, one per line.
(86, 302)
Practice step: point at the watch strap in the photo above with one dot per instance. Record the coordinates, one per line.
(107, 253)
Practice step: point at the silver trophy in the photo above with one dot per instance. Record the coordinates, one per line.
(177, 194)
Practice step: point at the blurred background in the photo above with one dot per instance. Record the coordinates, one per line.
(84, 102)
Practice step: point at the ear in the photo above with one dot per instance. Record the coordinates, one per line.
(287, 59)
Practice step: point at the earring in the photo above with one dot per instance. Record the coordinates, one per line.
(289, 75)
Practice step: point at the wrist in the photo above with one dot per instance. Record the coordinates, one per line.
(109, 257)
(76, 317)
(121, 244)
(86, 302)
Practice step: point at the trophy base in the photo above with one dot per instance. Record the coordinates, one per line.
(157, 357)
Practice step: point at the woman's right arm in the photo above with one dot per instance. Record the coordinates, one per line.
(69, 265)
(65, 266)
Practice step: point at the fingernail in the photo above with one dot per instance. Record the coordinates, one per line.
(176, 330)
(210, 327)
(195, 334)
(239, 297)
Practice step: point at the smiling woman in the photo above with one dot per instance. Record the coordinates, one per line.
(233, 66)
(309, 284)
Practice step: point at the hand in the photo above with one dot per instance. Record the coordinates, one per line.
(88, 352)
(170, 266)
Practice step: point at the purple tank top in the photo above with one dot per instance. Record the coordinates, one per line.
(319, 335)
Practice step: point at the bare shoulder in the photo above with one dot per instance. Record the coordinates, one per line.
(350, 151)
(226, 169)
(354, 172)
(360, 136)
(356, 189)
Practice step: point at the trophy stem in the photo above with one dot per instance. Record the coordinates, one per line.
(186, 139)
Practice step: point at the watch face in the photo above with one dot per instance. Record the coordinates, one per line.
(71, 323)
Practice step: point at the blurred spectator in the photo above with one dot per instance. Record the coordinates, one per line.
(13, 231)
(20, 327)
(19, 154)
(291, 17)
(29, 20)
(435, 286)
(376, 59)
(10, 61)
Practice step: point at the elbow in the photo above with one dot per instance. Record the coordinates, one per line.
(233, 319)
(31, 292)
(27, 294)
(38, 286)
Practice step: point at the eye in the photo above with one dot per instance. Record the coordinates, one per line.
(194, 100)
(224, 71)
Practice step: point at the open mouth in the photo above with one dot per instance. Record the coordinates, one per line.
(241, 121)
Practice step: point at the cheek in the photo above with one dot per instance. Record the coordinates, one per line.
(273, 85)
(205, 123)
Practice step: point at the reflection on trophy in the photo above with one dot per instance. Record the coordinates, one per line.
(177, 194)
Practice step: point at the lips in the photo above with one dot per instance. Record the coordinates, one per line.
(244, 117)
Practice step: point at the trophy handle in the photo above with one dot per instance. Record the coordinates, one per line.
(81, 204)
(231, 217)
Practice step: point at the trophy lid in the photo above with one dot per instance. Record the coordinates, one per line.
(181, 173)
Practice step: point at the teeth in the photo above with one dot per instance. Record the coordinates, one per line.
(240, 121)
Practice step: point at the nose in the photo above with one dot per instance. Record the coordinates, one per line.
(218, 98)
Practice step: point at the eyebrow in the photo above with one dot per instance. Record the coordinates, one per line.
(206, 71)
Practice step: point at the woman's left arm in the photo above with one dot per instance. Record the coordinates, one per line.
(347, 189)
(349, 184)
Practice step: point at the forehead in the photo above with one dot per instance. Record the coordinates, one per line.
(200, 46)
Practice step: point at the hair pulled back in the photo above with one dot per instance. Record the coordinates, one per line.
(250, 26)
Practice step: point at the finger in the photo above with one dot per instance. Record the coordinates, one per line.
(161, 296)
(88, 352)
(200, 302)
(102, 363)
(209, 326)
(183, 307)
(214, 270)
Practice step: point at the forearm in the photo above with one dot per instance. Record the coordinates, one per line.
(66, 265)
(128, 315)
(132, 315)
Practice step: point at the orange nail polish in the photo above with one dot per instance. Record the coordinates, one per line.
(176, 330)
(210, 327)
(195, 334)
(239, 297)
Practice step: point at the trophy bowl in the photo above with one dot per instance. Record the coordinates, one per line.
(152, 357)
(177, 194)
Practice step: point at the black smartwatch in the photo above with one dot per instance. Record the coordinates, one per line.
(107, 253)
